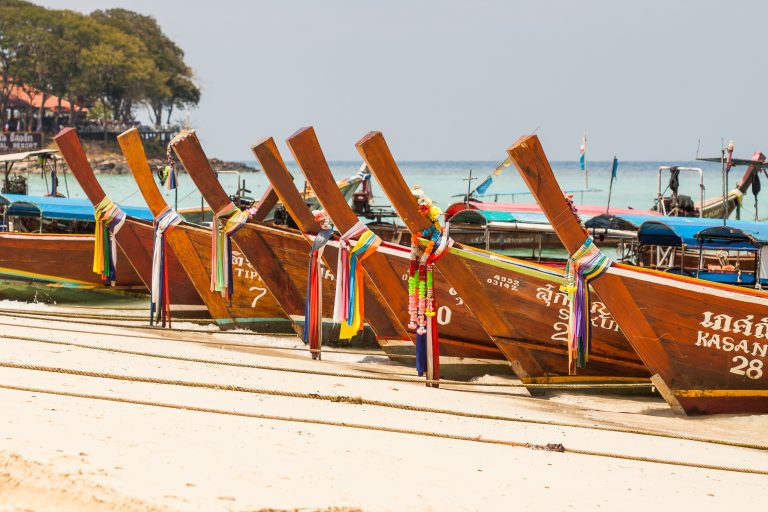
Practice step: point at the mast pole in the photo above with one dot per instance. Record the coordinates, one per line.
(586, 170)
(610, 186)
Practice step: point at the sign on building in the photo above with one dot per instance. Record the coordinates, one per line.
(20, 141)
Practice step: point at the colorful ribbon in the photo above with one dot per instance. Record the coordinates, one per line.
(221, 248)
(313, 307)
(348, 308)
(583, 266)
(109, 219)
(159, 297)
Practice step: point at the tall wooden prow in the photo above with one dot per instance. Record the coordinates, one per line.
(270, 268)
(374, 150)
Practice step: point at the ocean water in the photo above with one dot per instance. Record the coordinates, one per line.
(636, 185)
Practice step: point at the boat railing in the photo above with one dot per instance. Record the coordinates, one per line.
(672, 168)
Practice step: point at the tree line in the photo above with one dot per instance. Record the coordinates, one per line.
(110, 61)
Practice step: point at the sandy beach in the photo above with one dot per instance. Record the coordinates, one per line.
(322, 449)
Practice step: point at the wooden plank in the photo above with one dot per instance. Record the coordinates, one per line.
(265, 205)
(190, 152)
(373, 148)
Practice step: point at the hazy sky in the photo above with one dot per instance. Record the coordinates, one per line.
(461, 80)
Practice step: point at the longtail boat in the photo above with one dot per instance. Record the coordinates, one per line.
(465, 349)
(704, 342)
(136, 236)
(251, 305)
(50, 240)
(279, 255)
(516, 302)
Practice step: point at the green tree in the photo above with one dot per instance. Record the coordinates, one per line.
(116, 72)
(15, 21)
(172, 85)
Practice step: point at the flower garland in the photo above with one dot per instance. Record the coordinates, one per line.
(422, 300)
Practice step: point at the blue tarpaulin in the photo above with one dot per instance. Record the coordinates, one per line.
(710, 233)
(62, 208)
(483, 217)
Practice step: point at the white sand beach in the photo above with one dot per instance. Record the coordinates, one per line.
(62, 452)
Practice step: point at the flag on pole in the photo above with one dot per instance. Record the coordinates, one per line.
(583, 154)
(485, 185)
(614, 168)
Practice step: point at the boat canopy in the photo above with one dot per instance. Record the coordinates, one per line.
(484, 217)
(624, 222)
(60, 208)
(708, 233)
(18, 157)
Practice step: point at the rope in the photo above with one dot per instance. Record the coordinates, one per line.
(379, 403)
(221, 248)
(160, 297)
(378, 428)
(184, 340)
(64, 314)
(109, 220)
(349, 308)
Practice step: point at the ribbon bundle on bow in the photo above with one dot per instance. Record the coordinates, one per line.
(109, 220)
(583, 266)
(422, 300)
(349, 308)
(159, 298)
(313, 307)
(221, 248)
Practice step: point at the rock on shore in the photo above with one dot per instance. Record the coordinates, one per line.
(106, 158)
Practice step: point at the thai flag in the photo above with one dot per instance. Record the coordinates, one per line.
(583, 154)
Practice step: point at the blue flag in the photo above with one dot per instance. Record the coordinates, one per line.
(484, 186)
(615, 168)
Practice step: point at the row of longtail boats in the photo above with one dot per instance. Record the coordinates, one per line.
(449, 307)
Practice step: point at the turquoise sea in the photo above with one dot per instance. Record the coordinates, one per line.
(635, 186)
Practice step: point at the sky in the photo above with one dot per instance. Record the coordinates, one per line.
(462, 80)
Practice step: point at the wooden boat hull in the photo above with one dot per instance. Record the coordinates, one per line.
(62, 259)
(290, 249)
(528, 295)
(136, 240)
(251, 307)
(710, 348)
(705, 343)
